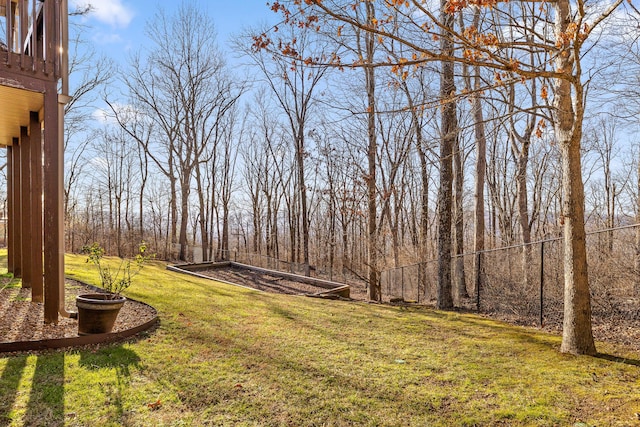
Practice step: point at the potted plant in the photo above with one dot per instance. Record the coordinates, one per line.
(97, 312)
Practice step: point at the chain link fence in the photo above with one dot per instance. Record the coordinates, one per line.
(522, 284)
(525, 284)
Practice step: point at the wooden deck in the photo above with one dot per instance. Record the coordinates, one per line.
(33, 91)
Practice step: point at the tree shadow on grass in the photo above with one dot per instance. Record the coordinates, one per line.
(118, 359)
(617, 359)
(541, 338)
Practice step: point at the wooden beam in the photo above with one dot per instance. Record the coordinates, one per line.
(37, 280)
(20, 80)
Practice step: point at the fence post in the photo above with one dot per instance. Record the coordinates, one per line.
(542, 284)
(418, 283)
(402, 282)
(478, 279)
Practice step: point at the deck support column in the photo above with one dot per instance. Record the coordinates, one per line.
(35, 144)
(25, 202)
(53, 209)
(11, 235)
(16, 218)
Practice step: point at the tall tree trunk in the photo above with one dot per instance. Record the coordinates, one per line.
(577, 337)
(144, 171)
(257, 228)
(523, 208)
(611, 217)
(458, 224)
(447, 140)
(184, 218)
(421, 149)
(292, 231)
(224, 244)
(332, 217)
(374, 291)
(275, 243)
(111, 216)
(302, 187)
(203, 221)
(173, 236)
(346, 265)
(520, 145)
(268, 226)
(480, 169)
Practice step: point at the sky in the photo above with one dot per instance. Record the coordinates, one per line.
(117, 26)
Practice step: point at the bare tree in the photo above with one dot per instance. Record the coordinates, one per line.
(182, 86)
(294, 88)
(601, 140)
(572, 30)
(449, 131)
(114, 163)
(90, 73)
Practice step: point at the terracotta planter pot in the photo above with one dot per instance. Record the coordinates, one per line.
(97, 313)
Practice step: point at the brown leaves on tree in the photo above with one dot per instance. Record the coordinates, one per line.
(544, 94)
(472, 55)
(260, 42)
(404, 3)
(479, 39)
(573, 33)
(287, 49)
(457, 5)
(540, 127)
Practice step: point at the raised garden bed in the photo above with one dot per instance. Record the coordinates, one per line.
(265, 280)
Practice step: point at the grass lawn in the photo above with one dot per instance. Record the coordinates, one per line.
(227, 356)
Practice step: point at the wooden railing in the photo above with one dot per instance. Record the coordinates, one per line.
(30, 38)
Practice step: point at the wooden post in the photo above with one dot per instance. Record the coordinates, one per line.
(53, 243)
(35, 142)
(11, 237)
(17, 210)
(25, 202)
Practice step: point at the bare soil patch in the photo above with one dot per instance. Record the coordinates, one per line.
(273, 283)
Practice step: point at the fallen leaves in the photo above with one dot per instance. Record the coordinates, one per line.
(154, 406)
